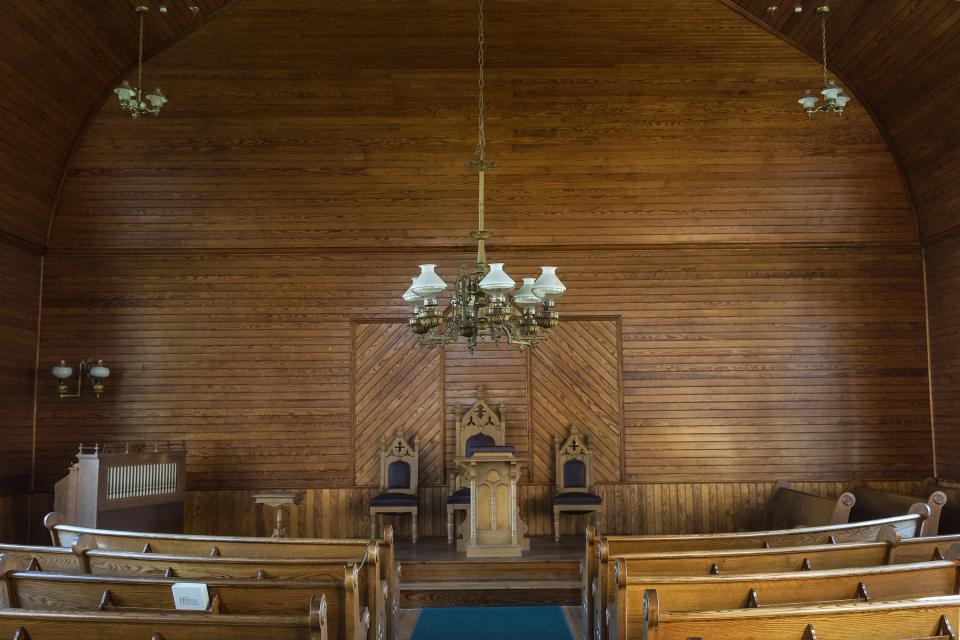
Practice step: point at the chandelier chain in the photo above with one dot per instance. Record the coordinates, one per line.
(823, 42)
(140, 61)
(481, 125)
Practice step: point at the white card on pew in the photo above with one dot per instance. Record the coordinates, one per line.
(191, 596)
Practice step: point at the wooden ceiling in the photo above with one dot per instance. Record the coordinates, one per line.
(58, 61)
(60, 58)
(902, 57)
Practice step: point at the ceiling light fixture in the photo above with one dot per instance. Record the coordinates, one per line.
(481, 309)
(132, 98)
(834, 100)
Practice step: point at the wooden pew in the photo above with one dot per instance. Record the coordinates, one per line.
(950, 514)
(243, 547)
(52, 559)
(873, 503)
(598, 580)
(634, 607)
(372, 588)
(920, 619)
(788, 508)
(40, 591)
(23, 624)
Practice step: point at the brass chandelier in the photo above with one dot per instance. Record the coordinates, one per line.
(485, 305)
(834, 99)
(132, 99)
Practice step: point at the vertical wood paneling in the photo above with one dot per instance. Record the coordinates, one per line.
(396, 384)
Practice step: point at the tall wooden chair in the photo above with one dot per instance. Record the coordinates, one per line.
(574, 480)
(399, 471)
(479, 426)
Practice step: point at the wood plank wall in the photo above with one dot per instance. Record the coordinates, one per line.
(19, 291)
(763, 272)
(943, 269)
(629, 508)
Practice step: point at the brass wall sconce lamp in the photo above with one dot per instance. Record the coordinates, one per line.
(97, 371)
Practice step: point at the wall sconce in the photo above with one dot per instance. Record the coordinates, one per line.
(96, 371)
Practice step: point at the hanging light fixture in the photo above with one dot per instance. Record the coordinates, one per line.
(132, 98)
(485, 305)
(834, 100)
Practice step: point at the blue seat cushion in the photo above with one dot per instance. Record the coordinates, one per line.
(478, 440)
(460, 496)
(394, 500)
(576, 497)
(398, 475)
(574, 474)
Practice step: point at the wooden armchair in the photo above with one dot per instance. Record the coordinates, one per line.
(479, 426)
(574, 480)
(399, 471)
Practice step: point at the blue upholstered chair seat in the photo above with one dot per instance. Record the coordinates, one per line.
(575, 498)
(394, 500)
(460, 496)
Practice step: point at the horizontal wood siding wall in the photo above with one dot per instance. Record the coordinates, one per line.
(755, 279)
(19, 293)
(736, 365)
(943, 272)
(629, 508)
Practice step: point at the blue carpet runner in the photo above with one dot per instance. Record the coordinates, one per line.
(492, 623)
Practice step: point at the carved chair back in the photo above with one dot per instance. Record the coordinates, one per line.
(478, 426)
(399, 463)
(574, 469)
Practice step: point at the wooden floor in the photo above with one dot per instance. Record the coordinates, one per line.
(434, 574)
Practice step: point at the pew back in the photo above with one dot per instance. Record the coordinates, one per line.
(789, 508)
(52, 559)
(873, 503)
(54, 592)
(107, 625)
(925, 618)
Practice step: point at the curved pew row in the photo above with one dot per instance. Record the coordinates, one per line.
(64, 535)
(596, 586)
(39, 591)
(641, 600)
(921, 619)
(874, 503)
(22, 624)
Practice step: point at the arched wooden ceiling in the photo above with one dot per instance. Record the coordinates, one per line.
(903, 58)
(59, 58)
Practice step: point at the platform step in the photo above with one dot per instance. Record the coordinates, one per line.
(481, 593)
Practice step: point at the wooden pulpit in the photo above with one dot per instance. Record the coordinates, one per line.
(496, 529)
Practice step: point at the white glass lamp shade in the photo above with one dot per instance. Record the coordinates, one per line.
(411, 298)
(62, 370)
(156, 99)
(99, 370)
(428, 284)
(497, 282)
(125, 92)
(842, 101)
(548, 285)
(809, 101)
(830, 92)
(525, 297)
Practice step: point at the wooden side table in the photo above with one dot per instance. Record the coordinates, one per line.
(279, 500)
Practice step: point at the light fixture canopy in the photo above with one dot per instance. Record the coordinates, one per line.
(834, 99)
(486, 305)
(97, 371)
(132, 99)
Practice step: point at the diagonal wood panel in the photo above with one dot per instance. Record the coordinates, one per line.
(396, 384)
(576, 379)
